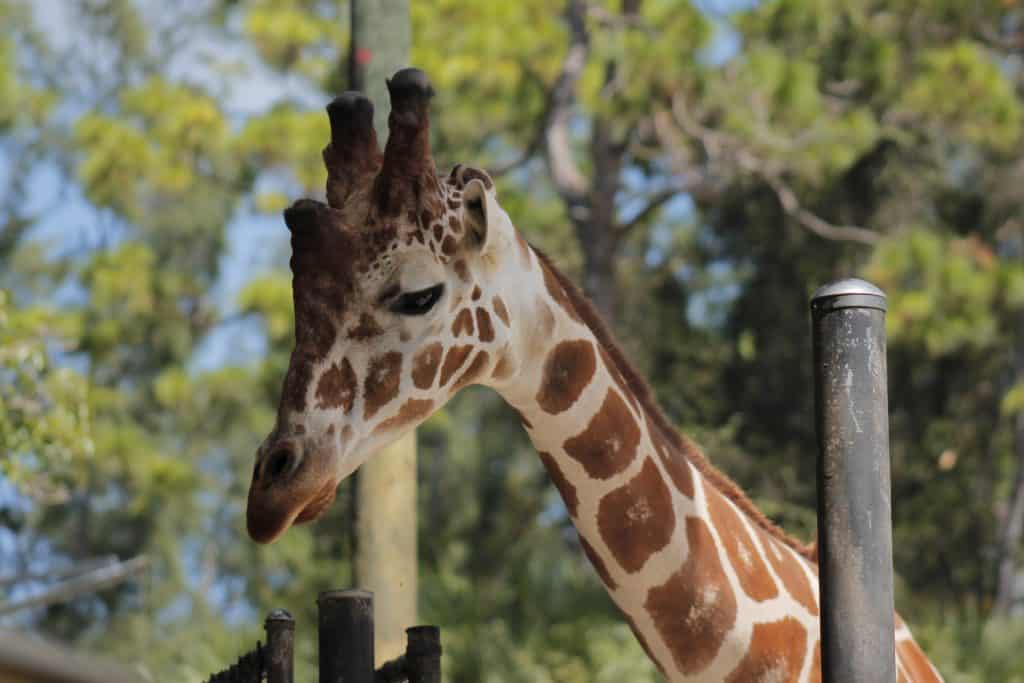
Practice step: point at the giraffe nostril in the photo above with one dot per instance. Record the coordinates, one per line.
(278, 464)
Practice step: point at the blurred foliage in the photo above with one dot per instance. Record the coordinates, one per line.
(120, 435)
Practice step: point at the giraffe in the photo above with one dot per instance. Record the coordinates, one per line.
(407, 288)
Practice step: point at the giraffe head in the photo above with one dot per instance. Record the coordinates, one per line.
(396, 285)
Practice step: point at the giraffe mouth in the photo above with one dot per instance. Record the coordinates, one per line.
(267, 519)
(320, 502)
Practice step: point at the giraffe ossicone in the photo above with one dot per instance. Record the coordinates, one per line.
(408, 287)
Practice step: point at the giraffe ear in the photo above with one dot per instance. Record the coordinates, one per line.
(484, 220)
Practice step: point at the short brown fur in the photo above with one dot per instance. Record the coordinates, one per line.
(639, 388)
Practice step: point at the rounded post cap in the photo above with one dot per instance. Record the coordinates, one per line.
(849, 293)
(350, 594)
(280, 615)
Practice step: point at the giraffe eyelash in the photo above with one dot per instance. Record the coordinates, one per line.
(418, 302)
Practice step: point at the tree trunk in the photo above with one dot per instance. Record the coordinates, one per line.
(1013, 527)
(598, 233)
(386, 560)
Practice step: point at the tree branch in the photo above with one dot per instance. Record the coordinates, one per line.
(720, 148)
(569, 181)
(90, 582)
(655, 202)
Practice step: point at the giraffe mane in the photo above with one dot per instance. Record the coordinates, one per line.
(645, 396)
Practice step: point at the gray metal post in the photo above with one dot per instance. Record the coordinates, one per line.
(854, 507)
(346, 636)
(423, 654)
(280, 627)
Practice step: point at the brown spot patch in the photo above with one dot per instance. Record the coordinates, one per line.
(694, 633)
(453, 360)
(476, 293)
(677, 466)
(485, 330)
(463, 323)
(448, 246)
(564, 486)
(473, 370)
(616, 375)
(424, 365)
(598, 563)
(790, 572)
(524, 252)
(296, 382)
(750, 569)
(776, 653)
(366, 328)
(461, 270)
(608, 444)
(411, 411)
(500, 310)
(438, 232)
(557, 292)
(636, 520)
(916, 664)
(505, 367)
(337, 387)
(567, 371)
(382, 380)
(452, 204)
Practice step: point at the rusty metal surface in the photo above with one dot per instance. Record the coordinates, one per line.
(278, 660)
(854, 505)
(248, 669)
(346, 636)
(423, 654)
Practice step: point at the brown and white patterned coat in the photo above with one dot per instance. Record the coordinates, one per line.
(407, 288)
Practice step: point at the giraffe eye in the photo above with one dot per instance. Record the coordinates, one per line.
(417, 303)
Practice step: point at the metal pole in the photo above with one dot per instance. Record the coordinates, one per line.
(854, 507)
(280, 627)
(423, 654)
(346, 636)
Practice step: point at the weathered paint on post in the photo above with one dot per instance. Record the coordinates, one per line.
(423, 654)
(279, 655)
(346, 636)
(854, 505)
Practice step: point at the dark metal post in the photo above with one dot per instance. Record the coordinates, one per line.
(423, 654)
(346, 636)
(280, 627)
(854, 507)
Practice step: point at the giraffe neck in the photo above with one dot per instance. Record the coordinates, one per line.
(710, 590)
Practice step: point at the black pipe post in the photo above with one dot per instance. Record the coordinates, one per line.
(423, 654)
(854, 505)
(278, 657)
(346, 636)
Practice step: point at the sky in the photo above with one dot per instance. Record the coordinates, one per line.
(257, 243)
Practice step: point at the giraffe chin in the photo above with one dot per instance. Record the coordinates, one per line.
(314, 508)
(265, 523)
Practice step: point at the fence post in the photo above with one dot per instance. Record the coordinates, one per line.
(423, 654)
(346, 636)
(280, 627)
(854, 506)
